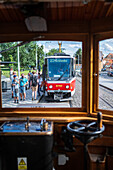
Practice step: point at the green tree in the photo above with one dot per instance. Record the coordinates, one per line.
(9, 55)
(27, 54)
(52, 51)
(11, 59)
(78, 56)
(40, 56)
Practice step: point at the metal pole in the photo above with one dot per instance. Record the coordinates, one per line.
(0, 88)
(78, 59)
(85, 156)
(59, 46)
(18, 62)
(36, 55)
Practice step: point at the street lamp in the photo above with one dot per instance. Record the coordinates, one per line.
(78, 59)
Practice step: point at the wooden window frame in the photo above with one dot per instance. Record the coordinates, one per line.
(60, 111)
(97, 38)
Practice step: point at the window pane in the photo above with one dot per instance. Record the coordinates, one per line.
(59, 83)
(106, 74)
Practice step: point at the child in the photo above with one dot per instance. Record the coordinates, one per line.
(15, 85)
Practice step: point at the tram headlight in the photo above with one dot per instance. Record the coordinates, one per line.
(67, 86)
(50, 86)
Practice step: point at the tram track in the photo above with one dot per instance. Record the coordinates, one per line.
(106, 102)
(106, 96)
(55, 103)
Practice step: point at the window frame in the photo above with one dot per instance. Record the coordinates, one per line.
(62, 111)
(99, 37)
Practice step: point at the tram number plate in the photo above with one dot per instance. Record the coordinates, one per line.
(58, 96)
(58, 85)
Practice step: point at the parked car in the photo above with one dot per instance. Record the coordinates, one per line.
(110, 73)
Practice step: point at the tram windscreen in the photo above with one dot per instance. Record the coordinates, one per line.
(58, 67)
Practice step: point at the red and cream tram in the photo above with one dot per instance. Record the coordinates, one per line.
(60, 79)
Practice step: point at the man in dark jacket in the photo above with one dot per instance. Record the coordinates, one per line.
(34, 85)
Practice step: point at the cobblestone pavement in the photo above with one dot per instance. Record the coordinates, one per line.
(105, 96)
(77, 98)
(8, 101)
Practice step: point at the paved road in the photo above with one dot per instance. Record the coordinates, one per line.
(8, 101)
(106, 81)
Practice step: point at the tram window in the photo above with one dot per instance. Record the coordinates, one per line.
(61, 74)
(106, 74)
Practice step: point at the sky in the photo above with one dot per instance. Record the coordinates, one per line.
(69, 47)
(106, 46)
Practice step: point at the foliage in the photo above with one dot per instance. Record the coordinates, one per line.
(78, 56)
(40, 55)
(52, 51)
(6, 73)
(27, 54)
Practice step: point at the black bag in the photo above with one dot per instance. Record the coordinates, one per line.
(34, 81)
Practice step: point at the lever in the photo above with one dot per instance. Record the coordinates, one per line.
(44, 125)
(27, 124)
(99, 120)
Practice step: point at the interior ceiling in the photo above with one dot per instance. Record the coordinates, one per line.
(62, 16)
(17, 11)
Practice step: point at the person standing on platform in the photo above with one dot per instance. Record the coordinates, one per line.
(39, 83)
(34, 83)
(15, 85)
(23, 83)
(29, 78)
(12, 77)
(11, 73)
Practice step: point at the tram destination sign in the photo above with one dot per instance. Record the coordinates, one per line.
(58, 60)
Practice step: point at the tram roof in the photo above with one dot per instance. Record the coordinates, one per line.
(59, 57)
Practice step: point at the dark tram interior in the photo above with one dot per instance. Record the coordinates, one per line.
(78, 138)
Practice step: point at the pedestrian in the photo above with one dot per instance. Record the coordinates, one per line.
(39, 83)
(39, 68)
(23, 82)
(15, 85)
(33, 85)
(12, 77)
(29, 76)
(11, 73)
